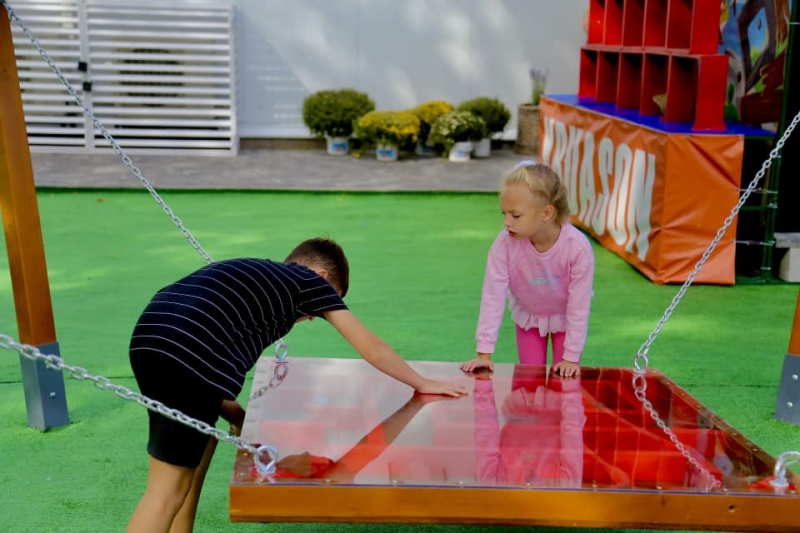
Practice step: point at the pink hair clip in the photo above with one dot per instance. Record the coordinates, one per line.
(526, 163)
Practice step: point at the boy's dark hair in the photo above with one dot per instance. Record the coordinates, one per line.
(326, 254)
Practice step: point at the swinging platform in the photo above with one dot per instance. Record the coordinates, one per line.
(524, 448)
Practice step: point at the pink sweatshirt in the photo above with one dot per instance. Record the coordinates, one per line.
(551, 291)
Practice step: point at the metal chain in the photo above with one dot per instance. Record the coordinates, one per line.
(278, 375)
(125, 159)
(640, 389)
(641, 360)
(281, 349)
(55, 362)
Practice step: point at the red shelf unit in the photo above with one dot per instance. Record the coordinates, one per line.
(629, 81)
(696, 91)
(607, 77)
(655, 27)
(605, 22)
(640, 49)
(596, 22)
(633, 23)
(588, 73)
(693, 25)
(655, 69)
(690, 25)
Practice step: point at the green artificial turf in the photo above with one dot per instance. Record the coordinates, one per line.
(108, 252)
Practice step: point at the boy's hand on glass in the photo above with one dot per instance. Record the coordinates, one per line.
(430, 386)
(567, 369)
(484, 360)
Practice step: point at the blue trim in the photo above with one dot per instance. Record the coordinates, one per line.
(655, 122)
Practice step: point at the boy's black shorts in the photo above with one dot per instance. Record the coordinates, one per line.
(163, 379)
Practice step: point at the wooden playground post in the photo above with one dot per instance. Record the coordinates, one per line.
(45, 396)
(794, 339)
(787, 408)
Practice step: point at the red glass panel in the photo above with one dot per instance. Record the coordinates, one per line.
(340, 421)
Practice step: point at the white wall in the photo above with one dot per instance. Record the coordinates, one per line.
(401, 52)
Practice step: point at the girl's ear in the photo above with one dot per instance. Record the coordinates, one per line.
(549, 212)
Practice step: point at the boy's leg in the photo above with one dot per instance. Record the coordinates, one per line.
(532, 347)
(176, 450)
(558, 346)
(167, 487)
(184, 520)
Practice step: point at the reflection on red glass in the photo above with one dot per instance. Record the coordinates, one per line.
(340, 421)
(541, 439)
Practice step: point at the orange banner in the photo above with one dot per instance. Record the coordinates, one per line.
(656, 199)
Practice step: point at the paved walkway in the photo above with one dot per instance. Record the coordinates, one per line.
(275, 170)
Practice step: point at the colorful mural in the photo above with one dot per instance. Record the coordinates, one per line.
(755, 35)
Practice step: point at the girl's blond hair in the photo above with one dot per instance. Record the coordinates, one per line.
(544, 182)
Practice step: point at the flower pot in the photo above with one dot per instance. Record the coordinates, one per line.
(386, 152)
(337, 145)
(527, 129)
(483, 148)
(460, 152)
(425, 149)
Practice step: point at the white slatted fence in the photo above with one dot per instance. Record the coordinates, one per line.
(160, 76)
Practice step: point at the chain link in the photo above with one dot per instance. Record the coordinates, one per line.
(55, 362)
(640, 390)
(278, 375)
(281, 351)
(641, 360)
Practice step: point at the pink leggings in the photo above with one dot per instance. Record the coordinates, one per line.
(532, 347)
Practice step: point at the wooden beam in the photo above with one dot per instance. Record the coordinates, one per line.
(44, 389)
(794, 338)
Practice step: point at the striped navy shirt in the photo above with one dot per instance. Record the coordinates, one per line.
(218, 320)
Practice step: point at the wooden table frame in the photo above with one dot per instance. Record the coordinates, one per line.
(762, 509)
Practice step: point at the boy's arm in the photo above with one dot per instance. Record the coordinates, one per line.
(380, 355)
(232, 412)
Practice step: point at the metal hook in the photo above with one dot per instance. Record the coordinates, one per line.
(781, 465)
(269, 468)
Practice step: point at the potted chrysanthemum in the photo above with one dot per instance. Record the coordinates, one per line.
(427, 113)
(388, 131)
(331, 113)
(455, 132)
(494, 113)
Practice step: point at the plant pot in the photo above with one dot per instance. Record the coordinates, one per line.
(483, 148)
(337, 145)
(425, 149)
(527, 129)
(386, 152)
(461, 152)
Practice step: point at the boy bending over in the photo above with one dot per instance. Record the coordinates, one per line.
(198, 337)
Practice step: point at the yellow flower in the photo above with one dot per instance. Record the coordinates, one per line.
(388, 127)
(430, 111)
